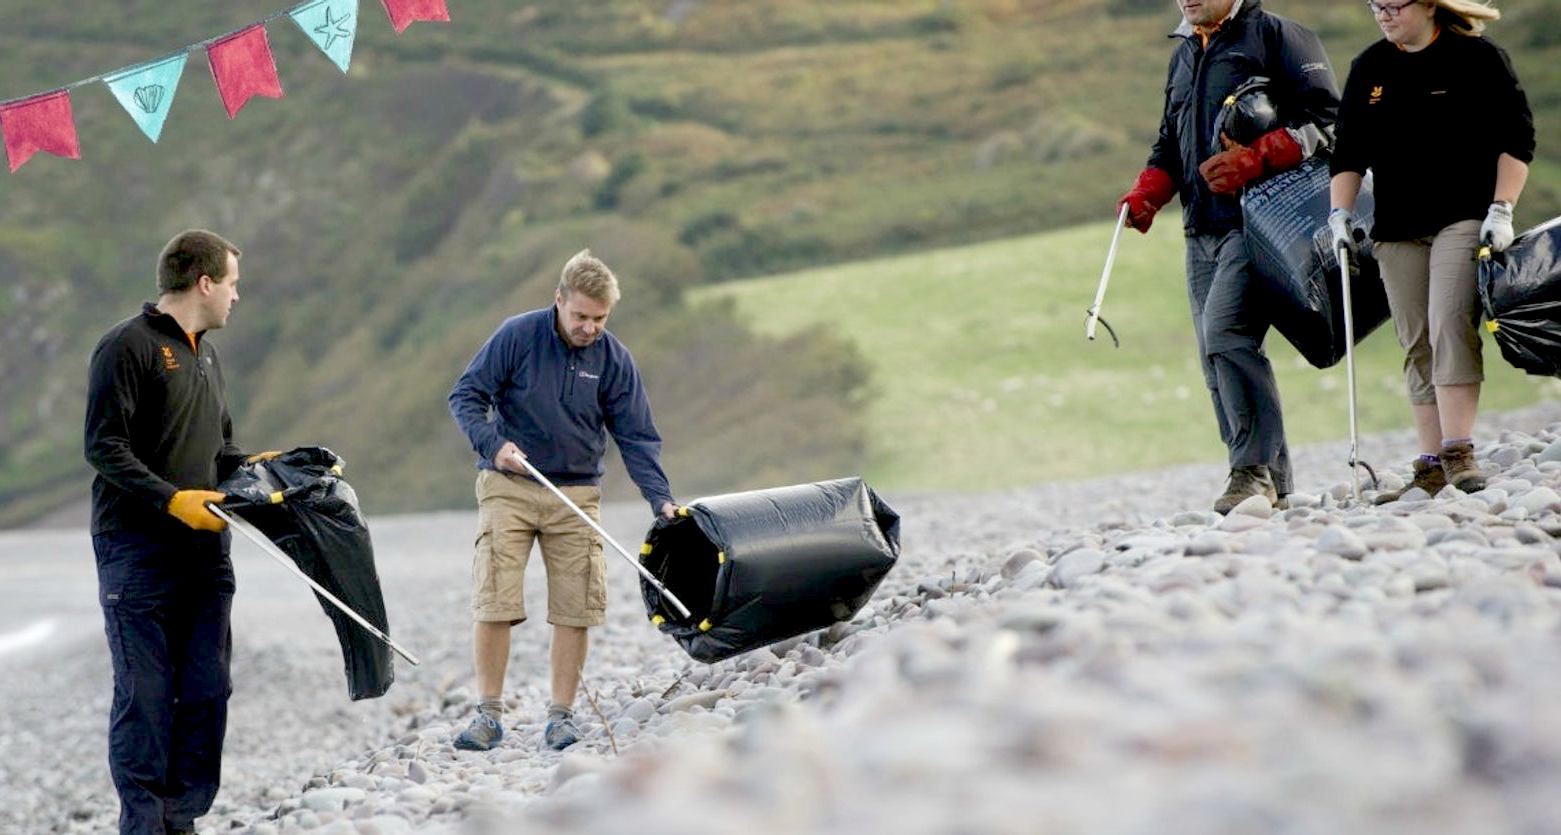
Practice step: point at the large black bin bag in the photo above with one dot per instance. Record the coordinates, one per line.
(300, 501)
(758, 567)
(1286, 220)
(1521, 292)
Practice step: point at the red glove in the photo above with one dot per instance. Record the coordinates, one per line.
(1153, 190)
(1231, 169)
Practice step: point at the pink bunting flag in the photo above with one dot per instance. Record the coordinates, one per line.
(404, 12)
(242, 66)
(41, 123)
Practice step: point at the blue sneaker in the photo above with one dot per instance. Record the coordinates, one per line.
(560, 733)
(483, 734)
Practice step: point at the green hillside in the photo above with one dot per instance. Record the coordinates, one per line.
(984, 379)
(391, 217)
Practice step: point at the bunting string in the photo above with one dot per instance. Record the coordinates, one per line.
(242, 67)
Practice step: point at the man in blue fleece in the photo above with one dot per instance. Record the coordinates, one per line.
(548, 387)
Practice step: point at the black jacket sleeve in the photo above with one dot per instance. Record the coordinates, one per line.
(1349, 145)
(112, 383)
(1510, 108)
(1166, 154)
(1309, 95)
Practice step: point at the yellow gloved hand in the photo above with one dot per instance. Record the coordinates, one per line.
(189, 507)
(263, 456)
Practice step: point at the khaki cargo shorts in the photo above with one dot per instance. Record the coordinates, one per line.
(512, 512)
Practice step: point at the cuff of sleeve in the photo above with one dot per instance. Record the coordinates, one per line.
(490, 448)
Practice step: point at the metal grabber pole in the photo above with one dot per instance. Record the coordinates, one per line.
(276, 553)
(1349, 369)
(1105, 276)
(649, 578)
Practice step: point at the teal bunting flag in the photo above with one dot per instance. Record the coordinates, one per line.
(146, 91)
(331, 24)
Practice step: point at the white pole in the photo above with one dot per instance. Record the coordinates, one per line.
(287, 562)
(649, 578)
(1349, 365)
(1105, 275)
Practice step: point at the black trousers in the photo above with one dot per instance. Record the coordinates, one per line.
(1230, 316)
(167, 600)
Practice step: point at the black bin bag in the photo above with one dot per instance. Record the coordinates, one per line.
(1521, 292)
(301, 503)
(1286, 220)
(759, 567)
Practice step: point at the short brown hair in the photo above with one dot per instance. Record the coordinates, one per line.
(190, 255)
(587, 274)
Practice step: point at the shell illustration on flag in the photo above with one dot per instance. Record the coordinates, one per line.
(149, 97)
(146, 91)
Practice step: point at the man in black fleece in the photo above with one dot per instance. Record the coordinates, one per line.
(159, 436)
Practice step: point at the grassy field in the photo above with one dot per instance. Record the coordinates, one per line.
(983, 378)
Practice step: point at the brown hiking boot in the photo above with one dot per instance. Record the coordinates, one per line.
(1246, 482)
(1462, 472)
(1428, 477)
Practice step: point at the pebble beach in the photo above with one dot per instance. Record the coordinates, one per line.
(1105, 656)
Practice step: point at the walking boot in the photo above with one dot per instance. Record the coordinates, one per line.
(1428, 477)
(1246, 482)
(1461, 471)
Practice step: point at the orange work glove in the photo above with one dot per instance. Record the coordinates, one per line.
(1231, 169)
(189, 507)
(1153, 190)
(263, 456)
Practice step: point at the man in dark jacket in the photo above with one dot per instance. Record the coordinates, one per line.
(1220, 45)
(159, 436)
(548, 387)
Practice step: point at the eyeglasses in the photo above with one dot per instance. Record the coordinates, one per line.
(1390, 10)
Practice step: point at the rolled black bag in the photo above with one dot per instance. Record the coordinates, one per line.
(1286, 226)
(301, 503)
(759, 567)
(1520, 290)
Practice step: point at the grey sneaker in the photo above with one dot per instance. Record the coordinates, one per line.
(1246, 482)
(1428, 477)
(483, 734)
(560, 733)
(1462, 472)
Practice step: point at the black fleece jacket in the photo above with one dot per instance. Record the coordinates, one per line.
(157, 422)
(1430, 125)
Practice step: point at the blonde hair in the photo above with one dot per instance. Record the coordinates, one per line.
(1464, 17)
(587, 274)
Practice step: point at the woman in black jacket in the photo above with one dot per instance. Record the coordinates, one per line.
(1436, 112)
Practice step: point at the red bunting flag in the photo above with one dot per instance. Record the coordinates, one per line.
(41, 123)
(404, 12)
(242, 66)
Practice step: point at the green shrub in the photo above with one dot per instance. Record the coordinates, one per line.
(624, 169)
(607, 112)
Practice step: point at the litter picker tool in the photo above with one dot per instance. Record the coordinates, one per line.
(1349, 372)
(649, 578)
(1105, 276)
(276, 553)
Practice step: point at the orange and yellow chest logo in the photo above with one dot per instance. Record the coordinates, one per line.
(169, 363)
(1376, 95)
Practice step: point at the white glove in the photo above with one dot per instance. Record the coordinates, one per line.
(1343, 229)
(1497, 228)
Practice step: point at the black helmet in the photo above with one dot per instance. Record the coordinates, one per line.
(1246, 114)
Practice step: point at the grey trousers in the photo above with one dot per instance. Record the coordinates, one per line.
(1229, 314)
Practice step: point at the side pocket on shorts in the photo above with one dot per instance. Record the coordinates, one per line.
(484, 580)
(596, 586)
